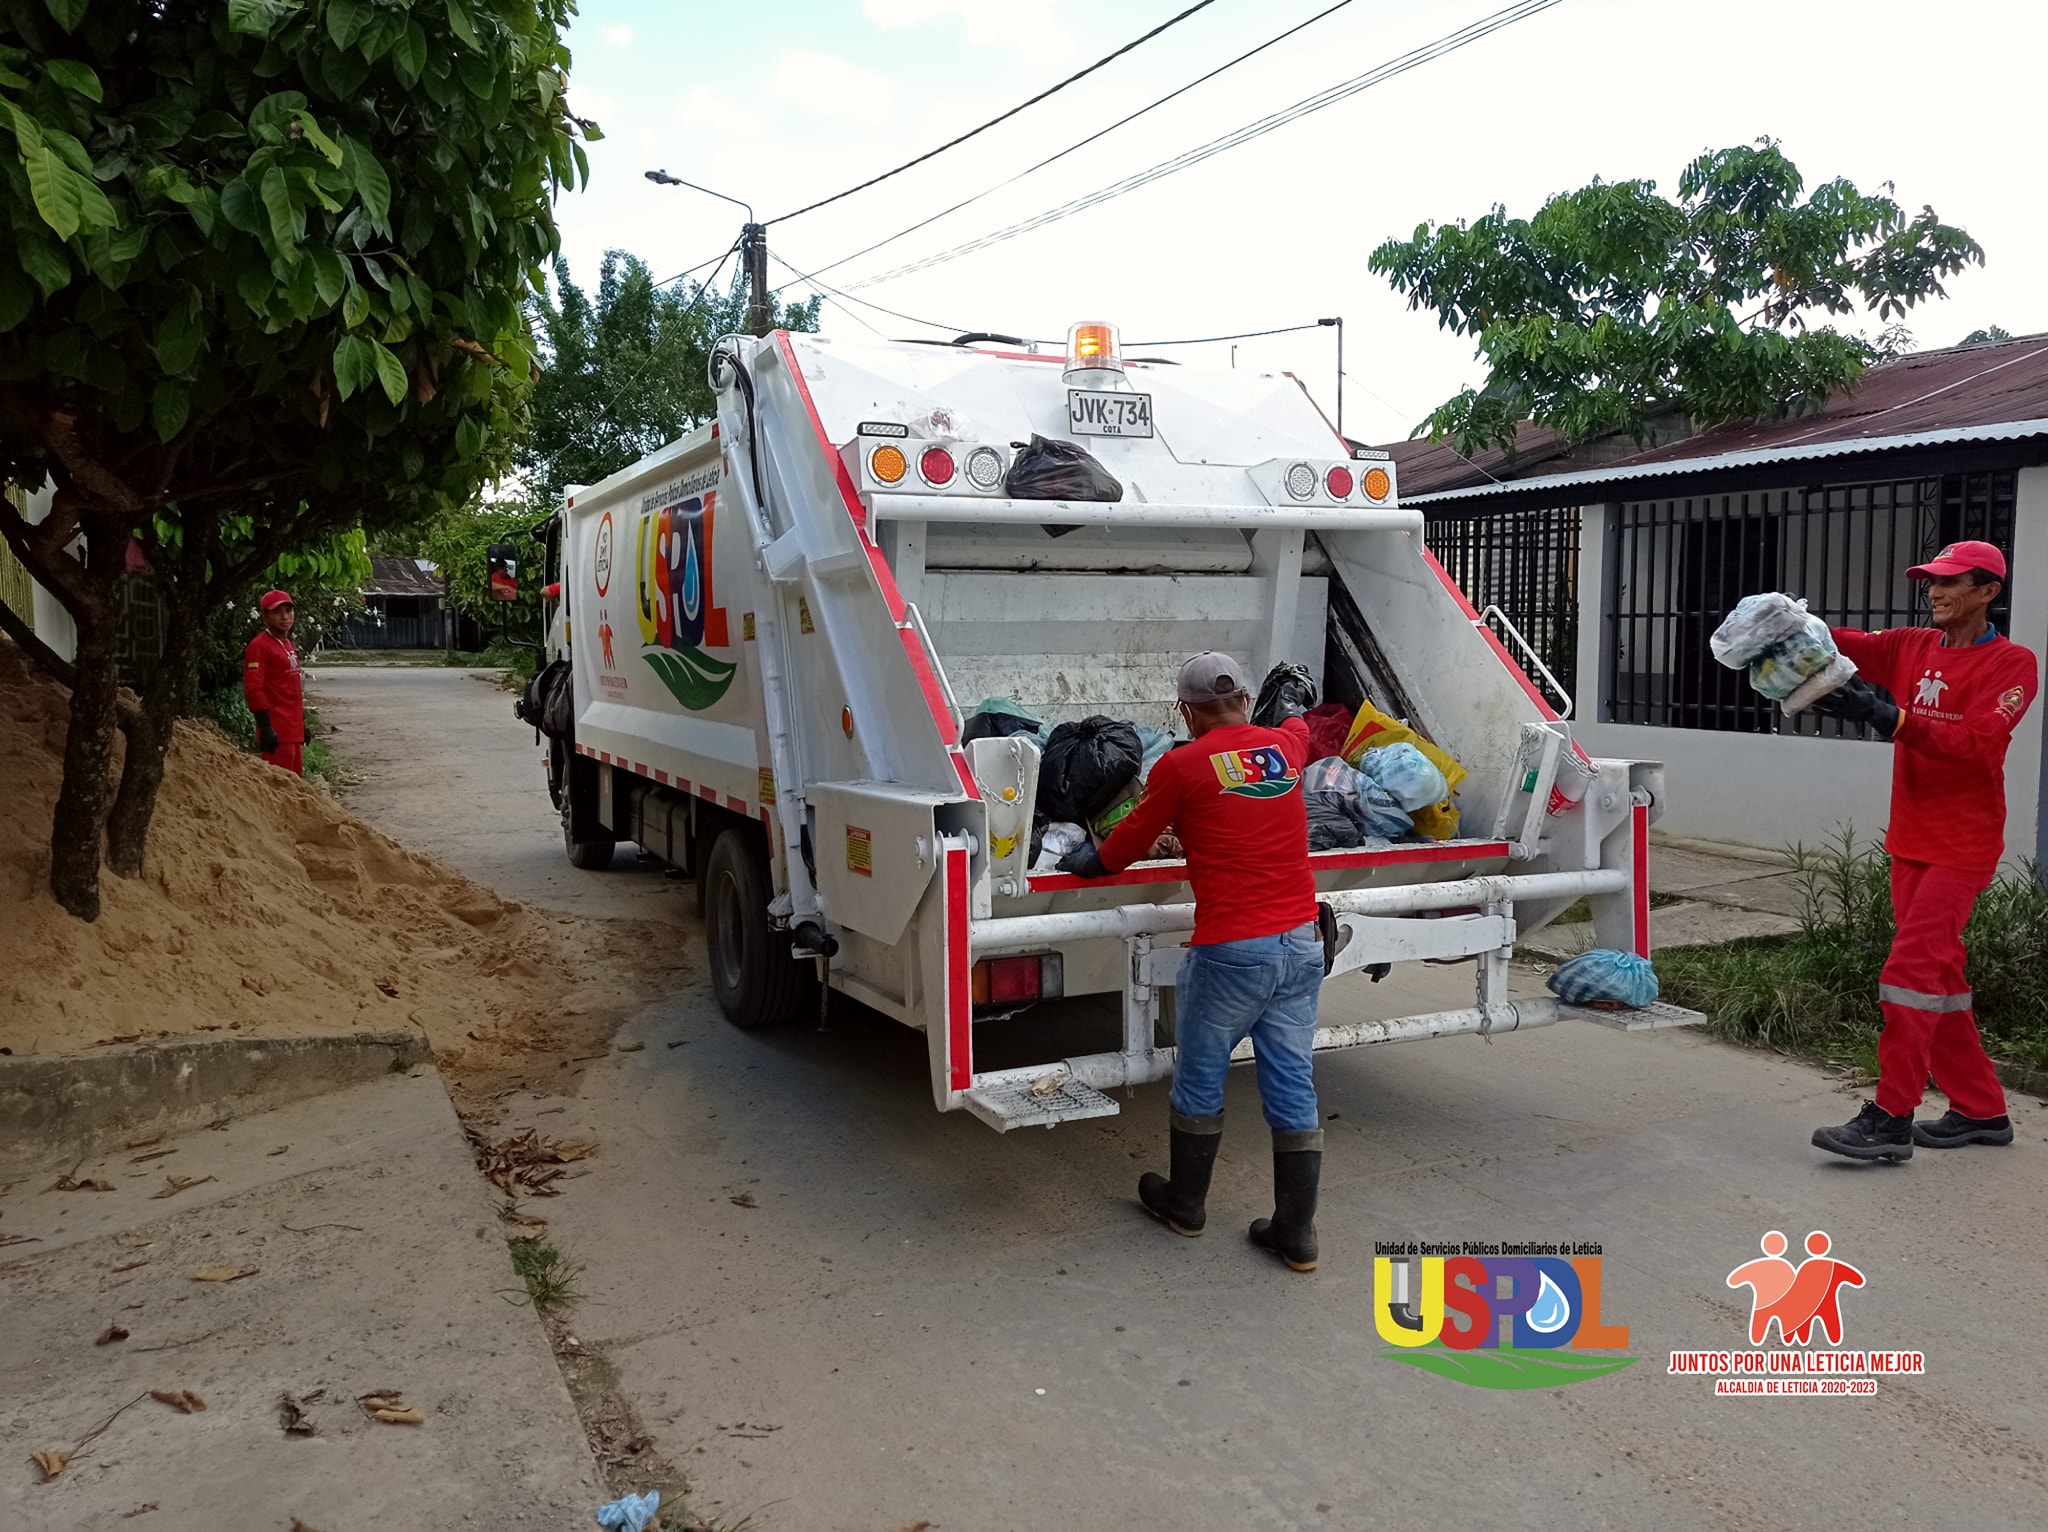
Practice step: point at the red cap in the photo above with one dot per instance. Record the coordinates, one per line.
(1960, 558)
(273, 598)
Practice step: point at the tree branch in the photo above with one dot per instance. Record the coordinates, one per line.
(59, 669)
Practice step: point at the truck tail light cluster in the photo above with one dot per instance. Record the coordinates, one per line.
(1306, 482)
(1008, 982)
(882, 456)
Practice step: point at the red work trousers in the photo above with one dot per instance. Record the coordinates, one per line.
(1928, 1023)
(291, 757)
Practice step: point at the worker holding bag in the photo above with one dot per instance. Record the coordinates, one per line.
(1947, 698)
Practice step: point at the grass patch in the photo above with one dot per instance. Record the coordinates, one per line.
(1814, 992)
(1580, 911)
(549, 1276)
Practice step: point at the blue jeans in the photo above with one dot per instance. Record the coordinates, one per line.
(1264, 988)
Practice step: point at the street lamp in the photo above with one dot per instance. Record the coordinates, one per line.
(753, 251)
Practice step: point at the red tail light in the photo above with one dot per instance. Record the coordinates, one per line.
(936, 465)
(1338, 483)
(1015, 981)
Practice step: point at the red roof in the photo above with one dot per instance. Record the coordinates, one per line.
(1960, 394)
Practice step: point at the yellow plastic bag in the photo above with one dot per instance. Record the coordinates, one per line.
(1372, 728)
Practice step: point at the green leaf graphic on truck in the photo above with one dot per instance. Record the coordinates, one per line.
(674, 597)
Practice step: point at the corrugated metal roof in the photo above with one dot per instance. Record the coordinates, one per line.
(1425, 467)
(1965, 394)
(401, 577)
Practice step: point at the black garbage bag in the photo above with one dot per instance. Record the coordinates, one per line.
(999, 718)
(1287, 692)
(1044, 469)
(1330, 825)
(1087, 765)
(558, 710)
(534, 702)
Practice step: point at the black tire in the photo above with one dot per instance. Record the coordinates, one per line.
(590, 855)
(757, 982)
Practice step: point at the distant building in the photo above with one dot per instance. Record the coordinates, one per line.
(408, 607)
(1615, 563)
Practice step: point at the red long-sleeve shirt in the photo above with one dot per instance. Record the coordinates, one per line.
(1234, 799)
(1958, 708)
(271, 682)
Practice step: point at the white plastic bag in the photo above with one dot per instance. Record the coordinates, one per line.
(1755, 625)
(1060, 837)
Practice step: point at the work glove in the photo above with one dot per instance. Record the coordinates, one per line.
(266, 737)
(1287, 692)
(1859, 701)
(1084, 862)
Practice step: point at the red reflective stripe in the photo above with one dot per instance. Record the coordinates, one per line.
(708, 794)
(736, 805)
(639, 770)
(660, 775)
(959, 989)
(1642, 879)
(1319, 861)
(966, 774)
(885, 579)
(1499, 648)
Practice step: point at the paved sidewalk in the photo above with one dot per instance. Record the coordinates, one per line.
(1719, 895)
(378, 1266)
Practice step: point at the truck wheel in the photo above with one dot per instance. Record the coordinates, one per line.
(756, 980)
(590, 855)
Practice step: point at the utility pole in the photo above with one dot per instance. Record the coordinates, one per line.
(754, 259)
(1339, 323)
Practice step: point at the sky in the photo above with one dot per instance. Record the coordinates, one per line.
(777, 103)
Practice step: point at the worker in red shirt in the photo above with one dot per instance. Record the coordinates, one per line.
(1254, 967)
(271, 682)
(1962, 687)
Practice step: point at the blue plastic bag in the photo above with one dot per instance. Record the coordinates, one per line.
(630, 1513)
(1332, 785)
(1409, 777)
(1604, 974)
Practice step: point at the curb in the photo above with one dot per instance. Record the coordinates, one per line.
(2028, 1082)
(56, 1110)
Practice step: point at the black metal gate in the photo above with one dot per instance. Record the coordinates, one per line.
(1524, 566)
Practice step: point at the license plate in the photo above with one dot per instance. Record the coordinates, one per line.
(1094, 413)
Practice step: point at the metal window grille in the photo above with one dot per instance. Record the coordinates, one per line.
(1527, 564)
(1680, 564)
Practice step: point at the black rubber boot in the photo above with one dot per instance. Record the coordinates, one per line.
(1181, 1201)
(1297, 1169)
(1872, 1134)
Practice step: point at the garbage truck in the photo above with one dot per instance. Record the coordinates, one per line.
(772, 634)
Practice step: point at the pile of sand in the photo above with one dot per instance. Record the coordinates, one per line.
(265, 909)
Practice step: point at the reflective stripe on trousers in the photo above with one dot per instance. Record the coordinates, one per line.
(1922, 1002)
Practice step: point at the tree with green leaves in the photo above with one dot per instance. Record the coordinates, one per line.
(625, 374)
(1614, 305)
(264, 281)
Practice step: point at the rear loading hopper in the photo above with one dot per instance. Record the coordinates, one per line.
(778, 626)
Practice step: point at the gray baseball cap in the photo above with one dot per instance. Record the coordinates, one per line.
(1211, 677)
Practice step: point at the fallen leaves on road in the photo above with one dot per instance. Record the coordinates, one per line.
(295, 1413)
(280, 1149)
(128, 1266)
(19, 1239)
(154, 1154)
(51, 1462)
(300, 1526)
(219, 1124)
(914, 1526)
(528, 1164)
(145, 1143)
(112, 1333)
(180, 1399)
(525, 1225)
(175, 1184)
(743, 1200)
(389, 1406)
(65, 1183)
(223, 1273)
(141, 1510)
(386, 987)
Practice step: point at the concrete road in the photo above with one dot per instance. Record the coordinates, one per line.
(841, 1310)
(373, 1263)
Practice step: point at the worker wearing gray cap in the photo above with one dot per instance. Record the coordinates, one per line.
(1254, 967)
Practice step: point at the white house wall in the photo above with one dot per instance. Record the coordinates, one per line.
(1772, 791)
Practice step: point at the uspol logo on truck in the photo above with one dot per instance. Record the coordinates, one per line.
(674, 590)
(1495, 1314)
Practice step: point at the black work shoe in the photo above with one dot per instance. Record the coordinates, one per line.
(1297, 1168)
(1952, 1130)
(1181, 1201)
(1872, 1134)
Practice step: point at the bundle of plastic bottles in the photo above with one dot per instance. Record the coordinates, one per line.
(1789, 653)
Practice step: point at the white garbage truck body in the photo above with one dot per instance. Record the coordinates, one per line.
(772, 626)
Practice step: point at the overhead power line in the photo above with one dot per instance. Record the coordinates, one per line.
(1203, 340)
(1051, 90)
(844, 300)
(1201, 79)
(1414, 59)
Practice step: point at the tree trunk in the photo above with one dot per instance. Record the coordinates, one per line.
(81, 811)
(149, 741)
